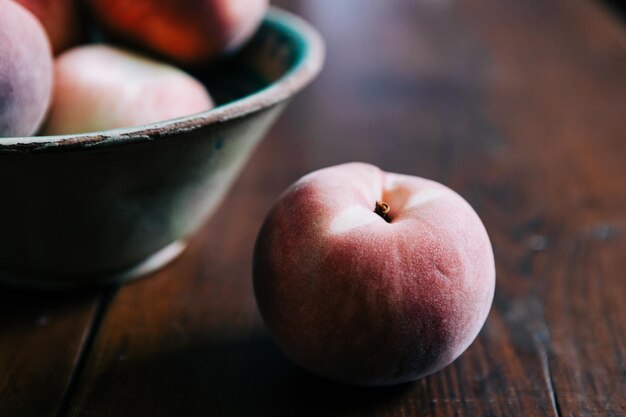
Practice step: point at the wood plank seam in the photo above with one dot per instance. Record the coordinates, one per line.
(542, 349)
(101, 309)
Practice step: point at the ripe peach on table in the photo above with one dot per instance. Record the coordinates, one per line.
(187, 31)
(99, 87)
(372, 278)
(25, 71)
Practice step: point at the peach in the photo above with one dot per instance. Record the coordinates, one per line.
(61, 20)
(372, 278)
(25, 71)
(99, 87)
(187, 31)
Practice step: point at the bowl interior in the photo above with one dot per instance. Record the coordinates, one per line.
(268, 56)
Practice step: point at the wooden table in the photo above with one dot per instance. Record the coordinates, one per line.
(518, 105)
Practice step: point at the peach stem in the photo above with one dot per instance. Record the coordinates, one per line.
(382, 209)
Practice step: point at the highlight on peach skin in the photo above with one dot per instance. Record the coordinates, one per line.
(99, 87)
(372, 278)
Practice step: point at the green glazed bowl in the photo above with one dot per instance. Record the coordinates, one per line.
(114, 205)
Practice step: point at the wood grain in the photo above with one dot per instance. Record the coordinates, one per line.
(42, 336)
(519, 106)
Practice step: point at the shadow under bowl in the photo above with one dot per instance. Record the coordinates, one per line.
(114, 205)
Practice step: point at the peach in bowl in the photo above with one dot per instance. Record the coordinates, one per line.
(112, 205)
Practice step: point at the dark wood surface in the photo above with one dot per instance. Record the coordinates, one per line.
(520, 106)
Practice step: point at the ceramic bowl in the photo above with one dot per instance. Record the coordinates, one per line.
(113, 205)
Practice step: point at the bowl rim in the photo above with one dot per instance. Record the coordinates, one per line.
(309, 64)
